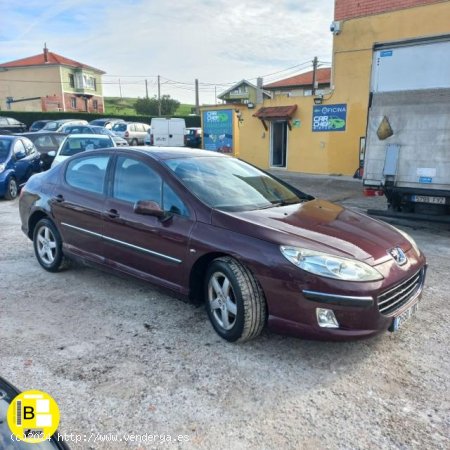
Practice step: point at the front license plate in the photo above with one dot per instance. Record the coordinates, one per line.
(428, 199)
(403, 317)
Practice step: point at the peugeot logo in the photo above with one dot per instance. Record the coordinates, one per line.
(398, 255)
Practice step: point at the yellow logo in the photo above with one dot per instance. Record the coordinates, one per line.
(33, 416)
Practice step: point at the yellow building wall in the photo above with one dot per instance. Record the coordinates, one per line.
(23, 83)
(337, 152)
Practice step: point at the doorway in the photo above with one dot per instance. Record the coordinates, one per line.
(278, 143)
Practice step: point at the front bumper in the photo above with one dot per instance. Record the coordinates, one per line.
(355, 305)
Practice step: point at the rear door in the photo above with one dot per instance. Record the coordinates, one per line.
(140, 244)
(177, 129)
(78, 204)
(160, 132)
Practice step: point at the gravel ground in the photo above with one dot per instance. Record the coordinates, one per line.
(121, 357)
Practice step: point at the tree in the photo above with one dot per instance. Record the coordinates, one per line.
(149, 106)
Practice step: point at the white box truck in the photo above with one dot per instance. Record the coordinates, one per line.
(167, 132)
(407, 155)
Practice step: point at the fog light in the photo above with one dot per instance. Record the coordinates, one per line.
(326, 318)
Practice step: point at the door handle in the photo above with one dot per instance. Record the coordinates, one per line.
(112, 213)
(59, 198)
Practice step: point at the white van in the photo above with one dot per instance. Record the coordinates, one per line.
(167, 132)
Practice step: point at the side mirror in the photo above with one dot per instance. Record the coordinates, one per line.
(20, 154)
(51, 153)
(151, 208)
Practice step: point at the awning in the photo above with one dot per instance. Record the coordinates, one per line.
(276, 113)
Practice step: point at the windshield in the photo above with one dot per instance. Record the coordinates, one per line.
(231, 185)
(74, 145)
(120, 127)
(5, 145)
(52, 126)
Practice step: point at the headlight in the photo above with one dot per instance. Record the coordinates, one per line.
(409, 239)
(2, 167)
(330, 266)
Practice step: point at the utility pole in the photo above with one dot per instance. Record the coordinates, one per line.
(197, 102)
(314, 76)
(120, 89)
(146, 89)
(159, 96)
(215, 95)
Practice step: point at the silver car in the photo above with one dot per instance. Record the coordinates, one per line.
(133, 132)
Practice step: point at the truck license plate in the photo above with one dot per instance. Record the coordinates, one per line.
(428, 199)
(403, 317)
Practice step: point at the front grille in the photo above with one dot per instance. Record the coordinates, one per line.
(391, 300)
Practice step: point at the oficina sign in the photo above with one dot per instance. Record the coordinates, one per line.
(329, 117)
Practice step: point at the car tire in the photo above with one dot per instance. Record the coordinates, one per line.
(47, 244)
(235, 302)
(134, 142)
(12, 189)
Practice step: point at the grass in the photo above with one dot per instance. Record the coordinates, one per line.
(125, 106)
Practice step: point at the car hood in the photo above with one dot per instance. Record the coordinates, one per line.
(318, 225)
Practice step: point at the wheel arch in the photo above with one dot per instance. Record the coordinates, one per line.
(34, 219)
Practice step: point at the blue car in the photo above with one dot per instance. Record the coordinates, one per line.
(19, 159)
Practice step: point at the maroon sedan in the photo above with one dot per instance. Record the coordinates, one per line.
(214, 228)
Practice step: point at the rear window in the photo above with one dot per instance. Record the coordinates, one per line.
(75, 145)
(120, 127)
(87, 173)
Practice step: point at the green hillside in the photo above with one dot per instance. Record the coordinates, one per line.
(125, 106)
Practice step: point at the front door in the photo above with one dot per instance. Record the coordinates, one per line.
(278, 143)
(141, 244)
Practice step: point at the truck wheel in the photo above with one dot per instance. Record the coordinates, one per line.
(11, 189)
(235, 302)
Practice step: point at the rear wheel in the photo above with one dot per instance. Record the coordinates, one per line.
(48, 246)
(12, 189)
(235, 302)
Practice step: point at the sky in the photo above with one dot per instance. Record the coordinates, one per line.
(218, 42)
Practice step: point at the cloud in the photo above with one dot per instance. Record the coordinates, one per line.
(217, 42)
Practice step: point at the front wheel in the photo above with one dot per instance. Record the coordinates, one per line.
(48, 246)
(235, 302)
(12, 189)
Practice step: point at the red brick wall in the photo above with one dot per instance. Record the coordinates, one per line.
(80, 105)
(349, 9)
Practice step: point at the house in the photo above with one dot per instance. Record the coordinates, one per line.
(50, 82)
(302, 84)
(382, 51)
(244, 92)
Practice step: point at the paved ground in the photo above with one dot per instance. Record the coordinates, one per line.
(121, 357)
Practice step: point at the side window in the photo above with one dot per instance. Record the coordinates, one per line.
(3, 121)
(134, 180)
(87, 173)
(173, 203)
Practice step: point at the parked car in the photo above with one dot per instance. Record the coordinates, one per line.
(194, 137)
(88, 129)
(38, 124)
(77, 143)
(12, 125)
(56, 125)
(106, 123)
(19, 159)
(46, 142)
(133, 132)
(7, 442)
(212, 227)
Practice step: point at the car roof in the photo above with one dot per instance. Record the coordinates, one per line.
(163, 153)
(87, 136)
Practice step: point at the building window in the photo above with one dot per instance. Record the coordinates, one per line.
(71, 80)
(95, 105)
(73, 102)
